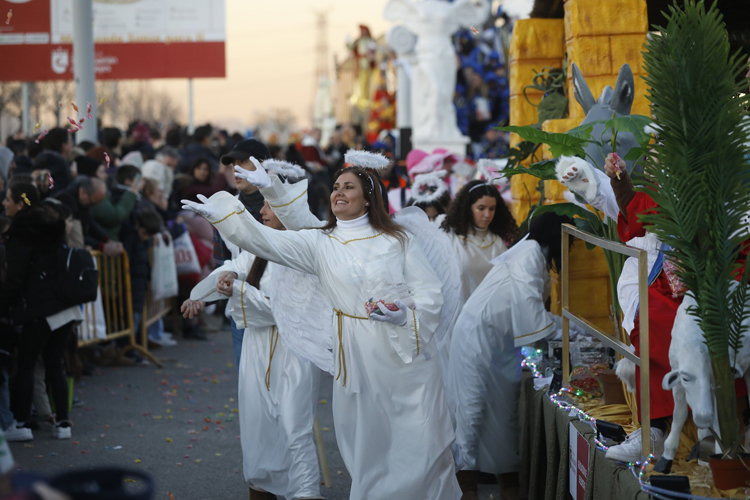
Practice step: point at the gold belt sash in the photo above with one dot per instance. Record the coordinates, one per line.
(274, 342)
(342, 357)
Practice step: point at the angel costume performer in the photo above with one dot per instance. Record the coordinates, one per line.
(504, 313)
(391, 418)
(277, 389)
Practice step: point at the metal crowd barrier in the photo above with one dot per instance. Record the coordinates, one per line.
(622, 349)
(117, 306)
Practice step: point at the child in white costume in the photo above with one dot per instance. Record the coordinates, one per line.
(391, 419)
(277, 389)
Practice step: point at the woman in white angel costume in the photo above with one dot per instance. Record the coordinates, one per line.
(504, 313)
(277, 389)
(391, 419)
(480, 227)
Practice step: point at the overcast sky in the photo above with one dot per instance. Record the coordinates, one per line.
(270, 57)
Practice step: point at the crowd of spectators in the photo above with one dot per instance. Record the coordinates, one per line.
(482, 96)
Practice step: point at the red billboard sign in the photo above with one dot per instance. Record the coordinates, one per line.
(133, 39)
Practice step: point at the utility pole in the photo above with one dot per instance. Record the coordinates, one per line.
(83, 66)
(321, 53)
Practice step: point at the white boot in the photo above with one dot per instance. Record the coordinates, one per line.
(630, 450)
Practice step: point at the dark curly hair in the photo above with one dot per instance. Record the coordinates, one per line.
(460, 217)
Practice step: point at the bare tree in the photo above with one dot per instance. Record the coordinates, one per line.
(142, 102)
(54, 93)
(10, 101)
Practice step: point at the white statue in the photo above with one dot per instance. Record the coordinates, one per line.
(434, 75)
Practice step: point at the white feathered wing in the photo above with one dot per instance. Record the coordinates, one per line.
(303, 315)
(437, 248)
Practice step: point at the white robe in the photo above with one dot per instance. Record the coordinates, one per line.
(391, 417)
(504, 313)
(475, 252)
(276, 422)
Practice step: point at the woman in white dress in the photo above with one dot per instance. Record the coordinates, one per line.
(277, 389)
(481, 227)
(504, 313)
(391, 418)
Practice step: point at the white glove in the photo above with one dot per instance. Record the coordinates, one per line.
(397, 318)
(577, 175)
(258, 177)
(207, 209)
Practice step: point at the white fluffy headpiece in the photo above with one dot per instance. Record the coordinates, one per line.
(285, 168)
(428, 187)
(491, 170)
(366, 159)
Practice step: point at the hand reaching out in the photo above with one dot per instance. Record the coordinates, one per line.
(205, 208)
(258, 177)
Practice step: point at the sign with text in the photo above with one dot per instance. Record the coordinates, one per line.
(578, 465)
(133, 39)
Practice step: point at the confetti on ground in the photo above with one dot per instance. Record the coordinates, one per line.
(117, 448)
(38, 456)
(30, 445)
(338, 472)
(75, 442)
(106, 426)
(217, 454)
(229, 365)
(128, 480)
(198, 461)
(137, 460)
(231, 400)
(85, 452)
(10, 14)
(322, 402)
(169, 495)
(326, 429)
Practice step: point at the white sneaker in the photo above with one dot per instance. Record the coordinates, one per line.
(16, 432)
(164, 341)
(630, 450)
(62, 430)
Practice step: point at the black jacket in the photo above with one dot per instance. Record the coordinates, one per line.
(140, 267)
(32, 245)
(93, 234)
(59, 169)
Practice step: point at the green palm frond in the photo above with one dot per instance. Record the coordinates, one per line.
(698, 174)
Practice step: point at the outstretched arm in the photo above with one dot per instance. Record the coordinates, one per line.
(228, 215)
(288, 201)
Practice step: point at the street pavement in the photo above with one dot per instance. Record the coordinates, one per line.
(178, 423)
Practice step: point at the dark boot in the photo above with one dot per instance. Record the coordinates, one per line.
(261, 495)
(468, 480)
(509, 486)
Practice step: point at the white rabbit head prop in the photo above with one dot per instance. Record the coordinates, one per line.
(285, 168)
(428, 187)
